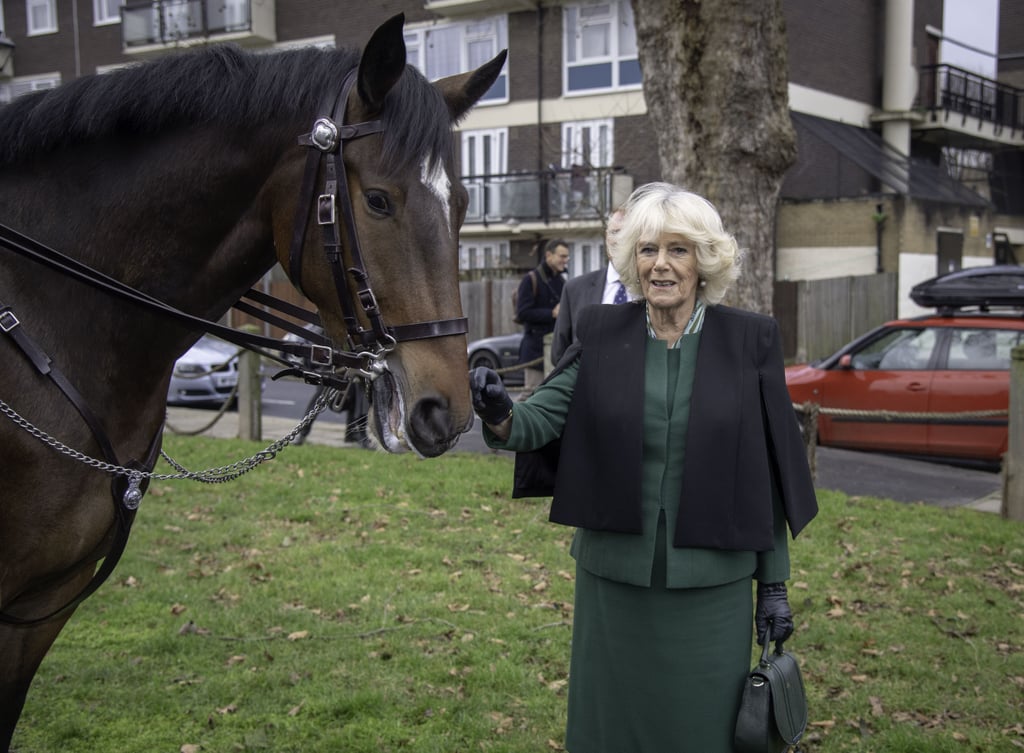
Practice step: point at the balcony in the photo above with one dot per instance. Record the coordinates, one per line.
(554, 195)
(968, 111)
(150, 28)
(463, 8)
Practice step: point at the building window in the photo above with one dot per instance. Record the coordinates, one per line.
(480, 255)
(588, 143)
(444, 50)
(585, 255)
(600, 47)
(484, 161)
(581, 188)
(106, 12)
(41, 16)
(26, 85)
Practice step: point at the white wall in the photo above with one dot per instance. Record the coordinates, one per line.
(816, 263)
(915, 268)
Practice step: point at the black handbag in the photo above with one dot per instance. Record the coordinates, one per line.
(773, 710)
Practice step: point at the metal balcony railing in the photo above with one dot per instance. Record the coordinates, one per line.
(951, 89)
(542, 196)
(175, 21)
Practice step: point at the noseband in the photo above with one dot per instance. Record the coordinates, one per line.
(366, 347)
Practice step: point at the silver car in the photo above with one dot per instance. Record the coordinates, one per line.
(205, 375)
(498, 353)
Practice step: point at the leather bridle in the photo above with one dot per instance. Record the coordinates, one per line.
(366, 345)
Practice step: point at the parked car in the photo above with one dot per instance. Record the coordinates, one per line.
(941, 364)
(926, 369)
(498, 352)
(205, 375)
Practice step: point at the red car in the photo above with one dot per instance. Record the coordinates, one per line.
(924, 371)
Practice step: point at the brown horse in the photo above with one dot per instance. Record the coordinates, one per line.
(181, 179)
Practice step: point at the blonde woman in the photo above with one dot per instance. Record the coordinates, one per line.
(682, 468)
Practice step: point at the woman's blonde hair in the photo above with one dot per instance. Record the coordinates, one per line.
(654, 209)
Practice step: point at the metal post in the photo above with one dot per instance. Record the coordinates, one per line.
(250, 397)
(1013, 461)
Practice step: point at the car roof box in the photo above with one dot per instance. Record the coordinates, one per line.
(1001, 285)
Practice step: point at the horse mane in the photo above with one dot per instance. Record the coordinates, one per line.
(220, 85)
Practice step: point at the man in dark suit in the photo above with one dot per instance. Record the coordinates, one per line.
(600, 286)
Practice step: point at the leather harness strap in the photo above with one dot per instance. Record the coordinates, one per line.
(126, 492)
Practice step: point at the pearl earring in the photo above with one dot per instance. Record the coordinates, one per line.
(703, 283)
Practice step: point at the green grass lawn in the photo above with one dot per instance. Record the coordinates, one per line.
(343, 600)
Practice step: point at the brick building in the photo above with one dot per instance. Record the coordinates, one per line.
(909, 114)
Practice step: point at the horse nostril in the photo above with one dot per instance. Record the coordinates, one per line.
(431, 427)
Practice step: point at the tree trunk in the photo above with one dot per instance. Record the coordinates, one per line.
(715, 80)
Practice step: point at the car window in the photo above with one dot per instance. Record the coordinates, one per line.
(898, 349)
(982, 349)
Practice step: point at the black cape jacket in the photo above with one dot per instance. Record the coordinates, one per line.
(743, 440)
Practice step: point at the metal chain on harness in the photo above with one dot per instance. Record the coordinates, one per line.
(209, 476)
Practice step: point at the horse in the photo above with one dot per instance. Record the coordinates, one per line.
(180, 181)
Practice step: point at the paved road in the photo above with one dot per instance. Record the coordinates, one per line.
(853, 473)
(877, 475)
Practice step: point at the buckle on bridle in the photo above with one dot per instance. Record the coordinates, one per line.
(8, 321)
(325, 209)
(321, 355)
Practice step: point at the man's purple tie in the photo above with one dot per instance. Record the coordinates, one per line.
(620, 294)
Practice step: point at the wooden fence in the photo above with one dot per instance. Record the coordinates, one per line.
(817, 317)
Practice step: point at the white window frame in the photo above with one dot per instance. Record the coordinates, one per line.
(585, 255)
(106, 12)
(617, 16)
(484, 152)
(492, 31)
(50, 24)
(581, 139)
(490, 253)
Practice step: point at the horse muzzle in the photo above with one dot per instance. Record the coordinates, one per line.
(426, 428)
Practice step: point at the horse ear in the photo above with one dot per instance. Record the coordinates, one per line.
(461, 92)
(382, 63)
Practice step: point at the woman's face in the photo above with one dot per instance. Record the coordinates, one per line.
(668, 271)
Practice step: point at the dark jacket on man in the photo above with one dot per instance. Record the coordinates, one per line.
(534, 310)
(578, 293)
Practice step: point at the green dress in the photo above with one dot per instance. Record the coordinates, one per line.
(661, 635)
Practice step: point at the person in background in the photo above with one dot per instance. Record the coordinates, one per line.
(681, 466)
(537, 309)
(600, 286)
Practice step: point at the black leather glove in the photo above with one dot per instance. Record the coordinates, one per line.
(490, 399)
(773, 605)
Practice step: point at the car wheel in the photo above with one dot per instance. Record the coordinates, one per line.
(484, 358)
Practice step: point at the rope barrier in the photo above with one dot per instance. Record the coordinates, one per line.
(890, 415)
(811, 412)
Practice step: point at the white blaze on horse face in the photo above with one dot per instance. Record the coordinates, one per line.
(435, 178)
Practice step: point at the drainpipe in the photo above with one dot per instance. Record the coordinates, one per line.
(540, 117)
(899, 82)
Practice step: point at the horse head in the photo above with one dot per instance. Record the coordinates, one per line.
(397, 247)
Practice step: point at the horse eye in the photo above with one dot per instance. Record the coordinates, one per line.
(378, 202)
